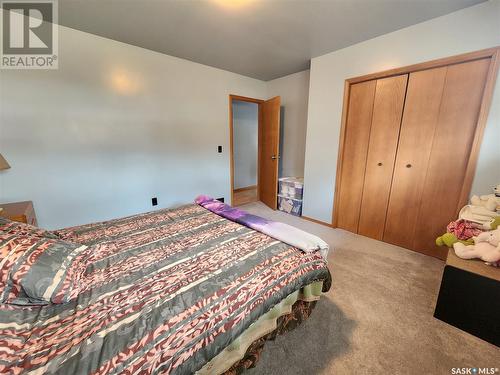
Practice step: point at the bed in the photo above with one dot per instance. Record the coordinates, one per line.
(175, 291)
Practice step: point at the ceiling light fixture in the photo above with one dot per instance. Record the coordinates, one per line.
(234, 4)
(124, 82)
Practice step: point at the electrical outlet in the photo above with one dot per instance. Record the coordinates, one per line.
(220, 200)
(219, 149)
(154, 201)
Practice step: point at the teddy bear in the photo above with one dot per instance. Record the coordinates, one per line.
(486, 247)
(489, 201)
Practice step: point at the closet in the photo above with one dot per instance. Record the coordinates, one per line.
(409, 145)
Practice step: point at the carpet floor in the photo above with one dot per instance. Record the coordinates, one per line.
(376, 319)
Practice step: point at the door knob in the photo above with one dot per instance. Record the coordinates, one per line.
(274, 157)
(408, 165)
(379, 164)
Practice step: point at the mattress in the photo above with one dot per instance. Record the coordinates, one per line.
(162, 292)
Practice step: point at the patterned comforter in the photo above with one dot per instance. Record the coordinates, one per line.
(162, 292)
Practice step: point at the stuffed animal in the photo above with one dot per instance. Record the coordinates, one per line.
(448, 239)
(495, 223)
(486, 247)
(490, 201)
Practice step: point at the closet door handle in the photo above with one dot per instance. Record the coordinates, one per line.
(408, 165)
(379, 164)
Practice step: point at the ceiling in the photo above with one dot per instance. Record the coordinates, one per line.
(264, 39)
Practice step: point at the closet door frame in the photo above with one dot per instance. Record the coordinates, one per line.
(492, 53)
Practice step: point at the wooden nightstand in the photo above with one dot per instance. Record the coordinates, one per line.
(19, 211)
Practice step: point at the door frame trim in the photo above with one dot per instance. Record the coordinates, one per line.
(231, 145)
(492, 53)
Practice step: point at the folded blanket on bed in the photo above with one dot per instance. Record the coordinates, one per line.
(304, 241)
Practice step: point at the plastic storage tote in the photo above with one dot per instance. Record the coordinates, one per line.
(290, 205)
(291, 187)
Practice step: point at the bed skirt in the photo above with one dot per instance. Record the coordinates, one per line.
(244, 352)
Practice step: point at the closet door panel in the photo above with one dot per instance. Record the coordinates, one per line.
(386, 123)
(460, 105)
(423, 98)
(356, 137)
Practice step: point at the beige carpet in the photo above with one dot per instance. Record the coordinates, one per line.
(376, 319)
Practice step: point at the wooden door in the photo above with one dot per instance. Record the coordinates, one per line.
(451, 147)
(421, 112)
(386, 122)
(355, 148)
(269, 152)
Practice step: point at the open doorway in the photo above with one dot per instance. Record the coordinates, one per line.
(254, 127)
(245, 151)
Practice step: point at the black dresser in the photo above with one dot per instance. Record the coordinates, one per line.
(469, 297)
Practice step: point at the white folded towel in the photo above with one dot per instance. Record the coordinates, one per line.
(479, 215)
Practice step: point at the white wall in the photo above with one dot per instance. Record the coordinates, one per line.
(113, 127)
(117, 124)
(245, 143)
(294, 92)
(467, 30)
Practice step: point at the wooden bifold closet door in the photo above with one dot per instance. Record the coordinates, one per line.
(423, 101)
(436, 137)
(384, 134)
(406, 158)
(371, 138)
(356, 139)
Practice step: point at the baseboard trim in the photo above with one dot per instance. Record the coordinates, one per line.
(245, 188)
(317, 221)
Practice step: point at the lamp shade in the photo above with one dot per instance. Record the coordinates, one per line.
(3, 163)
